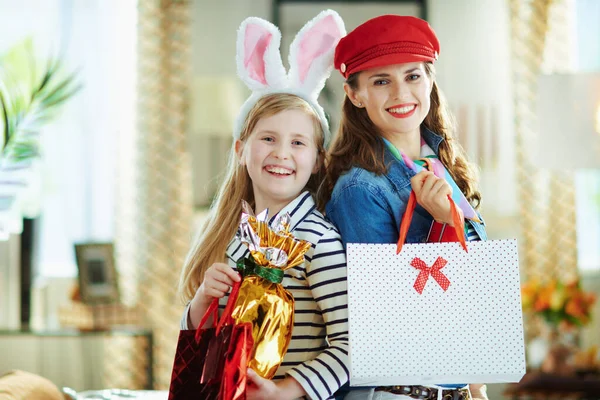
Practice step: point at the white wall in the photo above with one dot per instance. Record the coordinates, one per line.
(474, 70)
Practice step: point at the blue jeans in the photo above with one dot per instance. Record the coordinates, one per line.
(371, 394)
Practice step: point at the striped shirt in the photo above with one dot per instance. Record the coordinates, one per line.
(317, 356)
(471, 234)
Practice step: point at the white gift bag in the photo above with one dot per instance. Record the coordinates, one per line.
(435, 314)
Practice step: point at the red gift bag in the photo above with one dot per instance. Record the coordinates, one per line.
(190, 358)
(233, 383)
(227, 356)
(211, 364)
(220, 343)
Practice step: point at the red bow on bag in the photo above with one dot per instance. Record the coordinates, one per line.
(211, 363)
(434, 271)
(444, 235)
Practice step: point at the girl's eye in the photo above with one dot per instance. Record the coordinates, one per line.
(268, 139)
(413, 77)
(297, 143)
(380, 82)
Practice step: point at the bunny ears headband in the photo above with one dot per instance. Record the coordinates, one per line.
(260, 67)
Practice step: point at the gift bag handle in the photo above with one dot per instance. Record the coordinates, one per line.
(213, 308)
(459, 223)
(226, 318)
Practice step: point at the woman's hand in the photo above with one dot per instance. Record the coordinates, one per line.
(478, 391)
(432, 194)
(218, 279)
(259, 388)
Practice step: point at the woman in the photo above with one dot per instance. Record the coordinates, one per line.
(393, 115)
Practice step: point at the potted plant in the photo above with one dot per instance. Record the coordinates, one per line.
(562, 308)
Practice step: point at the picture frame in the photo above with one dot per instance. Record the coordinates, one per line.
(98, 279)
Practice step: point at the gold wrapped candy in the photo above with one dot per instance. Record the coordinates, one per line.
(262, 300)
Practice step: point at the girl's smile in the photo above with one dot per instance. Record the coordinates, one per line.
(279, 171)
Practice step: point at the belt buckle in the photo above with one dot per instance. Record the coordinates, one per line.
(422, 392)
(456, 394)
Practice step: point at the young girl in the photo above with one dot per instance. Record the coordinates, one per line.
(394, 113)
(276, 163)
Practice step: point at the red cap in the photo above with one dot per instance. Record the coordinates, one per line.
(386, 40)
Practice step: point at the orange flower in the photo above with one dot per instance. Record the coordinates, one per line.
(545, 295)
(558, 298)
(561, 304)
(529, 293)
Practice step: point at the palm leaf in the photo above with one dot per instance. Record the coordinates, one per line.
(5, 121)
(29, 100)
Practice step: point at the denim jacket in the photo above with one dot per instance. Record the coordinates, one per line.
(367, 208)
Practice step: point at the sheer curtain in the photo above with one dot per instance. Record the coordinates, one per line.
(97, 38)
(588, 181)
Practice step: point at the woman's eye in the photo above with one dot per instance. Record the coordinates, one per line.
(297, 143)
(413, 77)
(380, 82)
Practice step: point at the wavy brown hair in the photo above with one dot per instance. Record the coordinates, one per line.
(224, 216)
(358, 143)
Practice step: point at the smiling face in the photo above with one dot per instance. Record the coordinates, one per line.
(280, 155)
(396, 97)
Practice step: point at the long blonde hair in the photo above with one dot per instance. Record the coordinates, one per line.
(224, 216)
(358, 143)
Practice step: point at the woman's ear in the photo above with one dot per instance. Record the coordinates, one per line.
(352, 95)
(239, 151)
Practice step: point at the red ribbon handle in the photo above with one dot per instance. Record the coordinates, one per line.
(434, 271)
(212, 309)
(226, 319)
(459, 222)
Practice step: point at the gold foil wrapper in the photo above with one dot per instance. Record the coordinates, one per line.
(282, 240)
(270, 309)
(262, 300)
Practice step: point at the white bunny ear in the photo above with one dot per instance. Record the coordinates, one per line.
(258, 59)
(311, 52)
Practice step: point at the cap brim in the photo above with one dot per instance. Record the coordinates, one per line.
(390, 59)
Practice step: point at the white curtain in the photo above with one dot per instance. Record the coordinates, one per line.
(97, 38)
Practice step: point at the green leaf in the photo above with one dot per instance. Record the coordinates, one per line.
(29, 99)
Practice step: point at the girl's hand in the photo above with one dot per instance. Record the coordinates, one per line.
(432, 194)
(259, 388)
(217, 281)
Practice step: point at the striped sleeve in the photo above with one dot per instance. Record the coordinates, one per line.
(326, 275)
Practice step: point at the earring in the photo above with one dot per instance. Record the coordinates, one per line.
(359, 104)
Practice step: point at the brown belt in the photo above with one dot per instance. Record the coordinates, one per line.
(425, 393)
